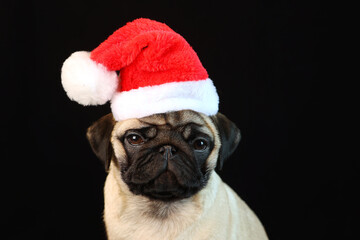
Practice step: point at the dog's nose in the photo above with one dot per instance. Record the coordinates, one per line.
(168, 151)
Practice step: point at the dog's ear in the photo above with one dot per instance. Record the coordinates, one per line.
(229, 136)
(99, 135)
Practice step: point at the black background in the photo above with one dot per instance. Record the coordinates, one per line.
(272, 63)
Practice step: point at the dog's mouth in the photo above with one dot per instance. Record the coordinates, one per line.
(165, 188)
(164, 196)
(164, 178)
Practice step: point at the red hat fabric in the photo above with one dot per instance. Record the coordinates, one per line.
(158, 72)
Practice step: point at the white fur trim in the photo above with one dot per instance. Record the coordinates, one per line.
(87, 82)
(200, 96)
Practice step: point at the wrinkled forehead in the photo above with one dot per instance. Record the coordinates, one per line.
(184, 120)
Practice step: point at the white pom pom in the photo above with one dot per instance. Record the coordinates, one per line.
(87, 82)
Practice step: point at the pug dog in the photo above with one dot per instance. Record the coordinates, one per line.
(161, 181)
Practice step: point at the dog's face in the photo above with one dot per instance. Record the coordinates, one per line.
(167, 156)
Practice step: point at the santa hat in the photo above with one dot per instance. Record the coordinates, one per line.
(158, 72)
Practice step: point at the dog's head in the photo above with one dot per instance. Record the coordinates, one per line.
(165, 156)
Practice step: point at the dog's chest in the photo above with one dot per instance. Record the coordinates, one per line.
(140, 226)
(159, 230)
(136, 218)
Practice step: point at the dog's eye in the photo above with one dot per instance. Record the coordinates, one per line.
(135, 139)
(200, 144)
